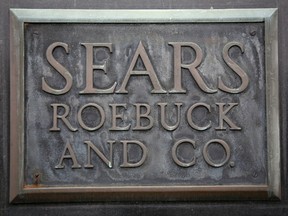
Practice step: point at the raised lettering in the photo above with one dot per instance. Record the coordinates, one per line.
(102, 117)
(116, 116)
(71, 155)
(189, 116)
(90, 67)
(163, 116)
(223, 117)
(62, 117)
(141, 52)
(59, 68)
(178, 65)
(238, 70)
(90, 146)
(145, 115)
(207, 155)
(174, 153)
(126, 162)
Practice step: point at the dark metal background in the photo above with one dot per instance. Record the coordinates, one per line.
(132, 208)
(248, 146)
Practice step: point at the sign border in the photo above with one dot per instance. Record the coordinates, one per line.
(19, 193)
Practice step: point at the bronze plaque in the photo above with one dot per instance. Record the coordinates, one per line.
(147, 105)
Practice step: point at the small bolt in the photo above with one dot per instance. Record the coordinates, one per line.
(36, 178)
(232, 164)
(253, 33)
(255, 174)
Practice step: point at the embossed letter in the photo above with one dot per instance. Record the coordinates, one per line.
(58, 67)
(174, 153)
(189, 116)
(90, 146)
(125, 153)
(141, 52)
(63, 117)
(223, 117)
(207, 156)
(71, 156)
(178, 65)
(102, 117)
(145, 115)
(116, 116)
(239, 71)
(163, 116)
(90, 67)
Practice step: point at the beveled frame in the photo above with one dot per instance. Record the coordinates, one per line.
(21, 193)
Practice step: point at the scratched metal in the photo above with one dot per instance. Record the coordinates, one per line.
(43, 149)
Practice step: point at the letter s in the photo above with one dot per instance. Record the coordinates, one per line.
(239, 71)
(58, 67)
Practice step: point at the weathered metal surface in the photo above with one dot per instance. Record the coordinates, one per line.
(215, 73)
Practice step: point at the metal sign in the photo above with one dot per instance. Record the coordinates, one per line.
(144, 105)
